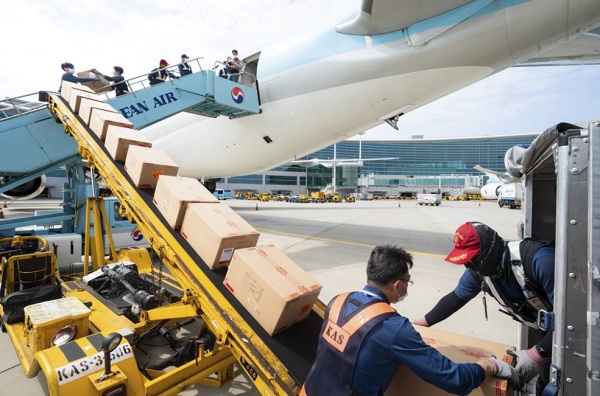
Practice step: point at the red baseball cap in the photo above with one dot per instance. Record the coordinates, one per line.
(466, 245)
(163, 62)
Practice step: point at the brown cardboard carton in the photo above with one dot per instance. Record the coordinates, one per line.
(77, 95)
(66, 87)
(118, 140)
(100, 86)
(174, 193)
(274, 289)
(100, 121)
(144, 165)
(87, 106)
(459, 349)
(214, 231)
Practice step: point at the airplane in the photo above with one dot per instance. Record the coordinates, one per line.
(326, 85)
(369, 67)
(337, 162)
(491, 190)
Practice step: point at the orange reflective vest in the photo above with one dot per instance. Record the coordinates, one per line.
(339, 343)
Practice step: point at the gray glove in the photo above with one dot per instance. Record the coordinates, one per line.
(529, 363)
(505, 370)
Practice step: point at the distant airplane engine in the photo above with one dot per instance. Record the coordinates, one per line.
(25, 191)
(491, 190)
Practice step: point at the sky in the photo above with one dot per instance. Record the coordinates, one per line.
(39, 35)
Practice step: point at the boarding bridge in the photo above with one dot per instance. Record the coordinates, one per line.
(34, 143)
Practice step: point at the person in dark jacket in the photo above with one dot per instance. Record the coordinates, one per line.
(519, 275)
(119, 85)
(160, 74)
(69, 76)
(364, 340)
(184, 68)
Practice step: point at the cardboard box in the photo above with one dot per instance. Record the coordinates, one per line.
(66, 87)
(174, 193)
(48, 317)
(214, 231)
(459, 349)
(87, 106)
(118, 140)
(101, 86)
(144, 165)
(274, 289)
(77, 95)
(100, 121)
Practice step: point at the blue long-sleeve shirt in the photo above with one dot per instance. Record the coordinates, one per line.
(395, 341)
(542, 275)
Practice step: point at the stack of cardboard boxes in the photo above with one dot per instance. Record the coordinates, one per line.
(276, 291)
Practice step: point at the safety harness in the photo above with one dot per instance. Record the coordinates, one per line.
(520, 274)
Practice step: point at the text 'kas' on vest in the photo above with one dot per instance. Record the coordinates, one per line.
(173, 194)
(459, 349)
(272, 288)
(144, 165)
(215, 231)
(118, 140)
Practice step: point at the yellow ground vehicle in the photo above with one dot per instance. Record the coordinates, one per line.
(264, 196)
(141, 298)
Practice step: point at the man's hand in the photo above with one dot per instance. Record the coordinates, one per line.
(421, 322)
(529, 363)
(500, 369)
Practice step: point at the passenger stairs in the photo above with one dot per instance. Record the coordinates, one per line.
(34, 143)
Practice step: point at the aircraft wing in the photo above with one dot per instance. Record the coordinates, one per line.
(504, 177)
(584, 50)
(338, 162)
(384, 16)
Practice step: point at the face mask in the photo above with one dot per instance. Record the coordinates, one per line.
(400, 298)
(69, 70)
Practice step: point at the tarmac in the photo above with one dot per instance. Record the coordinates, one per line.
(332, 242)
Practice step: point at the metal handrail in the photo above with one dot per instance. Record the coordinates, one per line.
(142, 79)
(224, 65)
(16, 106)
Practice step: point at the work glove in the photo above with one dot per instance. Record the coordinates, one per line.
(421, 321)
(529, 363)
(506, 371)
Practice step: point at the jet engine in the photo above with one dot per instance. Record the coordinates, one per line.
(25, 191)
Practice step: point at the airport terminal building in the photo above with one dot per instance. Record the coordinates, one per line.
(411, 166)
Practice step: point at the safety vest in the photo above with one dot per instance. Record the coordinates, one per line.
(339, 343)
(521, 262)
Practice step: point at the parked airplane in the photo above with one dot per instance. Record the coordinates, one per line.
(324, 86)
(491, 190)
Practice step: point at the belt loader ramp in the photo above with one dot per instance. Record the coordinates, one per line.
(276, 365)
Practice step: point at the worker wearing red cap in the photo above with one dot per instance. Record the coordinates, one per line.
(519, 275)
(160, 74)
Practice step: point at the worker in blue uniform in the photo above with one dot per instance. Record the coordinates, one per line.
(119, 85)
(363, 340)
(69, 70)
(519, 275)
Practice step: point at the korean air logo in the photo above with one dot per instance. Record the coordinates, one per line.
(237, 95)
(136, 235)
